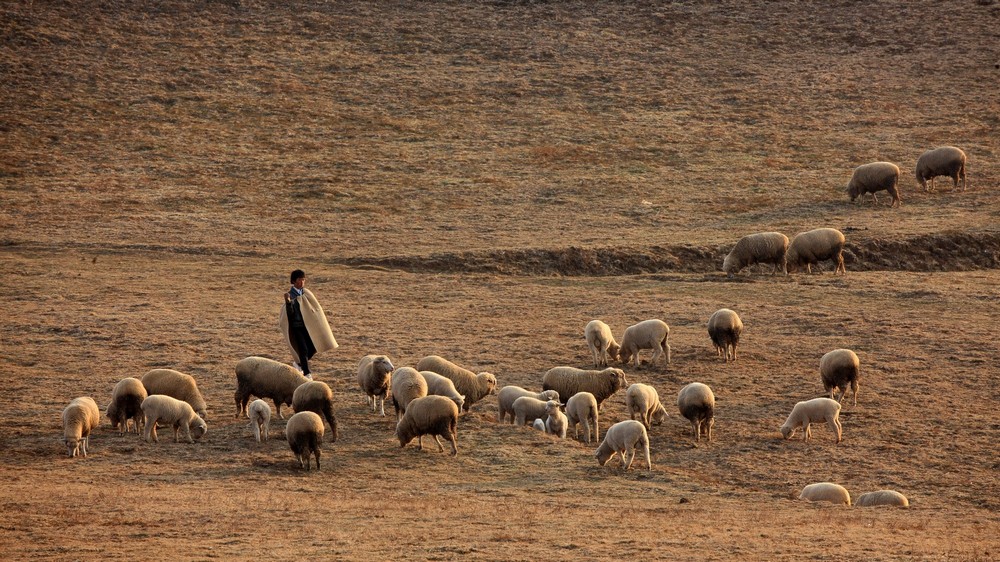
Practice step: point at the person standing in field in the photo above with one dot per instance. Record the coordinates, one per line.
(304, 325)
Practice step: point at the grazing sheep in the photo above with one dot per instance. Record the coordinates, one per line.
(870, 178)
(265, 378)
(840, 368)
(813, 411)
(581, 408)
(697, 403)
(648, 334)
(126, 405)
(527, 408)
(442, 386)
(556, 422)
(601, 342)
(304, 432)
(815, 246)
(260, 418)
(315, 396)
(724, 328)
(473, 386)
(621, 438)
(373, 378)
(430, 415)
(171, 412)
(944, 161)
(762, 247)
(826, 492)
(567, 381)
(643, 401)
(176, 385)
(539, 424)
(882, 497)
(510, 393)
(407, 385)
(79, 418)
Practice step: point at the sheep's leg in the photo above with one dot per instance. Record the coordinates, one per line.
(454, 444)
(835, 426)
(806, 433)
(420, 442)
(277, 406)
(381, 405)
(438, 440)
(854, 391)
(696, 429)
(631, 457)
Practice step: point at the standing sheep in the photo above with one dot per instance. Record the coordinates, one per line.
(510, 393)
(621, 438)
(567, 381)
(556, 422)
(882, 497)
(471, 385)
(315, 396)
(407, 385)
(126, 405)
(304, 432)
(840, 368)
(79, 418)
(813, 411)
(528, 408)
(176, 385)
(944, 161)
(373, 378)
(430, 415)
(826, 492)
(171, 412)
(697, 403)
(815, 246)
(601, 342)
(643, 401)
(762, 247)
(581, 409)
(870, 178)
(648, 334)
(442, 386)
(265, 378)
(724, 328)
(260, 418)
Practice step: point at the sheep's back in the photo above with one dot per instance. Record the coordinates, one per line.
(941, 161)
(696, 401)
(267, 378)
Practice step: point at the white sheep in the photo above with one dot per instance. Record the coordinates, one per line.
(622, 438)
(556, 423)
(882, 497)
(316, 396)
(642, 400)
(944, 161)
(442, 386)
(826, 492)
(79, 419)
(581, 408)
(527, 408)
(304, 432)
(696, 401)
(601, 342)
(125, 405)
(474, 387)
(373, 378)
(260, 418)
(815, 246)
(840, 368)
(171, 412)
(567, 381)
(265, 378)
(407, 385)
(430, 415)
(648, 334)
(176, 385)
(761, 247)
(510, 393)
(539, 425)
(724, 329)
(813, 411)
(877, 176)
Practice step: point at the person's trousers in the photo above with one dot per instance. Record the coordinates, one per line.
(303, 346)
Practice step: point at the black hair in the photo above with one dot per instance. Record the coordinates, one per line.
(297, 274)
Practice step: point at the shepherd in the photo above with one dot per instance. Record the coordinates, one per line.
(304, 324)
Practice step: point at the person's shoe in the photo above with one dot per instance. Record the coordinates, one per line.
(308, 376)
(296, 366)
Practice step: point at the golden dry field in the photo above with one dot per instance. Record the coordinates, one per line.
(478, 180)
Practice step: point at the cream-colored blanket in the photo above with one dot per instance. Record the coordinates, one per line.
(316, 324)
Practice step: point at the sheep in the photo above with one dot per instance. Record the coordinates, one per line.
(581, 409)
(697, 403)
(471, 385)
(172, 412)
(826, 492)
(510, 393)
(260, 418)
(870, 178)
(944, 161)
(648, 334)
(430, 415)
(373, 378)
(567, 381)
(882, 497)
(556, 423)
(724, 328)
(838, 369)
(407, 385)
(176, 385)
(539, 424)
(643, 401)
(601, 342)
(442, 386)
(762, 247)
(79, 418)
(815, 246)
(304, 432)
(527, 408)
(621, 438)
(813, 411)
(315, 396)
(125, 405)
(265, 378)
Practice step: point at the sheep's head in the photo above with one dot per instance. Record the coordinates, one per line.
(619, 376)
(381, 364)
(786, 431)
(460, 401)
(614, 351)
(659, 415)
(72, 447)
(491, 382)
(603, 455)
(552, 407)
(198, 429)
(625, 355)
(852, 191)
(550, 395)
(729, 265)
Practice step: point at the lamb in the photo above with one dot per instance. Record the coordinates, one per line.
(813, 411)
(762, 247)
(724, 328)
(471, 385)
(304, 432)
(643, 401)
(838, 369)
(176, 385)
(826, 492)
(315, 396)
(870, 178)
(815, 246)
(373, 378)
(944, 161)
(508, 394)
(407, 385)
(581, 409)
(527, 408)
(621, 438)
(265, 378)
(79, 418)
(648, 334)
(601, 342)
(430, 415)
(260, 418)
(567, 381)
(882, 497)
(556, 423)
(125, 405)
(442, 386)
(172, 412)
(697, 403)
(539, 425)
